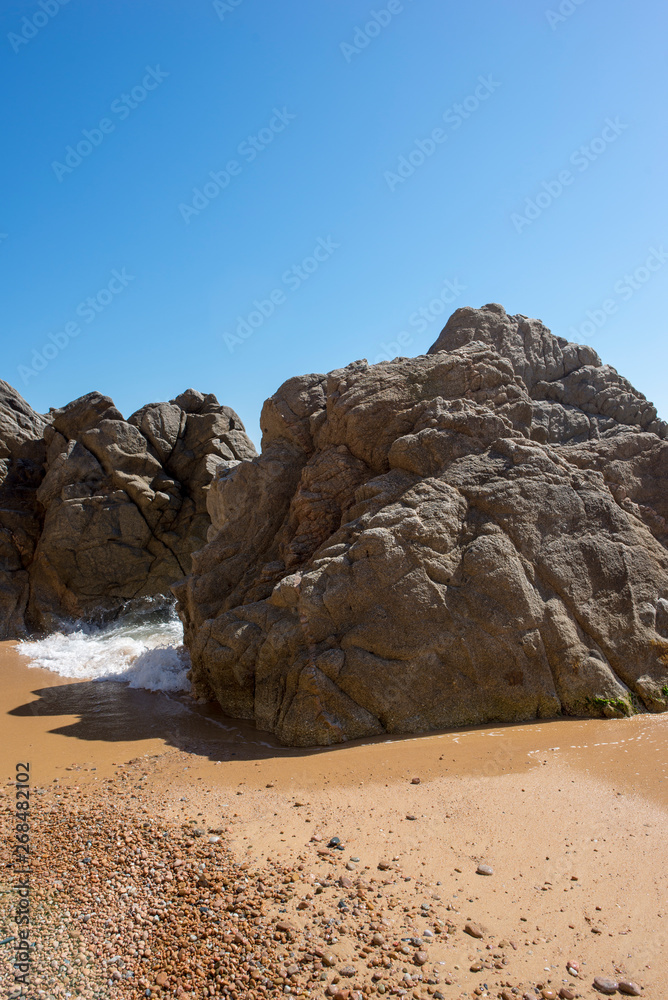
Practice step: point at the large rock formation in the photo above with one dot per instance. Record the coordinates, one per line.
(476, 534)
(111, 509)
(21, 466)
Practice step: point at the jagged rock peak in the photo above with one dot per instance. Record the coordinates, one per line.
(553, 369)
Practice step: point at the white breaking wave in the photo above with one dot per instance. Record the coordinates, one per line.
(145, 652)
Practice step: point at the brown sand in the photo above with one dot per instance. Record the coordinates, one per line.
(571, 815)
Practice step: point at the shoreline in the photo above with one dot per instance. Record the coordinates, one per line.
(571, 815)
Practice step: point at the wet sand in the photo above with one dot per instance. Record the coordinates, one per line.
(572, 816)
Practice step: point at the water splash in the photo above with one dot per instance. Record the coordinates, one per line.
(145, 649)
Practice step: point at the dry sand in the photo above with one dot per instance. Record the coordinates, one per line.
(571, 815)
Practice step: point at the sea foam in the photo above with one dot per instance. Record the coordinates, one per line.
(144, 651)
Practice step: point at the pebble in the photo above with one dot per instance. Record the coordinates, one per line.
(410, 816)
(415, 781)
(201, 896)
(604, 985)
(473, 930)
(631, 989)
(484, 870)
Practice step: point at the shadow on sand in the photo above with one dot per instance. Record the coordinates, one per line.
(112, 712)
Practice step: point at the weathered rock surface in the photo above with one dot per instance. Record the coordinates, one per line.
(113, 508)
(476, 534)
(21, 469)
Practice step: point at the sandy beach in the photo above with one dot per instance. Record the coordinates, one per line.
(178, 853)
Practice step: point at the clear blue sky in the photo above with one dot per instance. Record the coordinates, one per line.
(334, 98)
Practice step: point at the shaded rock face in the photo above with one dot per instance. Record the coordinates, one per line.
(22, 455)
(117, 506)
(478, 534)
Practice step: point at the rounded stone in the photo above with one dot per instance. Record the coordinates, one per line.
(629, 988)
(604, 985)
